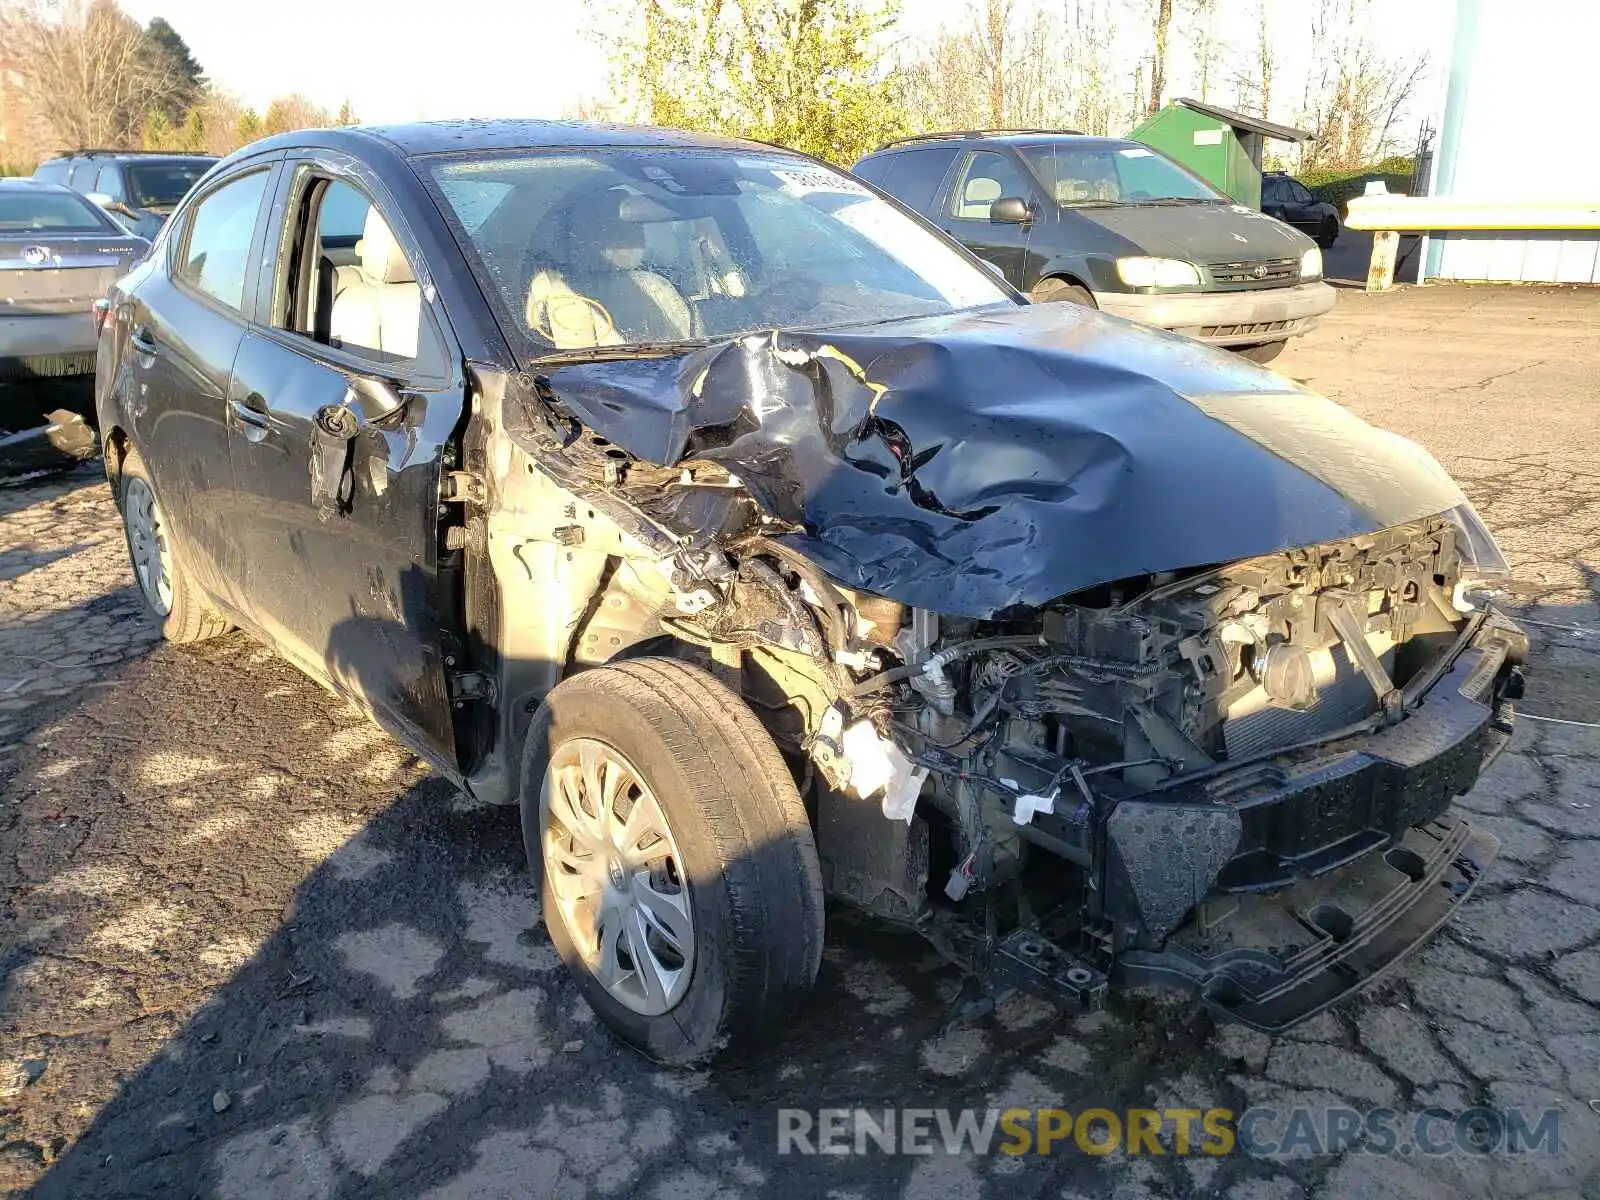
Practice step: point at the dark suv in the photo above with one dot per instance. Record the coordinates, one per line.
(139, 190)
(1113, 223)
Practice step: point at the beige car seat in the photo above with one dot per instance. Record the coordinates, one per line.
(979, 196)
(378, 305)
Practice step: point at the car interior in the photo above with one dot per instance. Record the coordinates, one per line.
(355, 289)
(595, 289)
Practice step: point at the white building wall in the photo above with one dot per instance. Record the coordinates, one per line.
(1521, 123)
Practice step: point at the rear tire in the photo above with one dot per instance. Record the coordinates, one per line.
(1328, 234)
(1051, 290)
(169, 598)
(1261, 354)
(733, 892)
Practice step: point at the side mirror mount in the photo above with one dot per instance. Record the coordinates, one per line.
(110, 204)
(375, 399)
(1010, 210)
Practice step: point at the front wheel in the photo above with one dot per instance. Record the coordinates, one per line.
(678, 874)
(168, 596)
(1048, 291)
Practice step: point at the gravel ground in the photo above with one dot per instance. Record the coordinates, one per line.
(250, 948)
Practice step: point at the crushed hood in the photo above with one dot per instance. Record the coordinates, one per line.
(979, 461)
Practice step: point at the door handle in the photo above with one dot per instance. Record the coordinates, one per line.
(143, 340)
(252, 415)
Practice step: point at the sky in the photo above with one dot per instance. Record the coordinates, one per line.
(404, 60)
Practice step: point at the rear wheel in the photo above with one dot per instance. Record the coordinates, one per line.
(678, 874)
(1049, 290)
(1261, 354)
(1328, 233)
(168, 596)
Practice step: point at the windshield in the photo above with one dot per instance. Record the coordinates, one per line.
(1084, 176)
(619, 247)
(26, 210)
(162, 185)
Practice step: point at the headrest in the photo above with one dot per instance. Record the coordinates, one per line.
(382, 260)
(982, 191)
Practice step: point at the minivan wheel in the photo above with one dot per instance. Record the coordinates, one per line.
(1049, 290)
(166, 592)
(1261, 354)
(678, 875)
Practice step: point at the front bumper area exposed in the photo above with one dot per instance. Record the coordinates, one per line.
(1243, 318)
(1279, 887)
(1333, 952)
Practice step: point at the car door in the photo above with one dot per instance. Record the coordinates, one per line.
(344, 394)
(984, 177)
(183, 317)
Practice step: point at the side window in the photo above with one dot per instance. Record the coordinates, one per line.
(109, 181)
(216, 253)
(986, 178)
(81, 177)
(880, 170)
(917, 180)
(52, 172)
(1299, 192)
(1272, 190)
(352, 286)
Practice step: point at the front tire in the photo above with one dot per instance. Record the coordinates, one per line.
(678, 874)
(1052, 290)
(169, 598)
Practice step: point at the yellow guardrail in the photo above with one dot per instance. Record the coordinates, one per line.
(1423, 214)
(1387, 216)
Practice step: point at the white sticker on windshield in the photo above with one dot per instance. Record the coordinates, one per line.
(803, 182)
(1136, 152)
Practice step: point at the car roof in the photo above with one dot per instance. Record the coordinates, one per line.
(446, 137)
(1028, 137)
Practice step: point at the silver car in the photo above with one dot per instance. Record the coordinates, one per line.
(58, 255)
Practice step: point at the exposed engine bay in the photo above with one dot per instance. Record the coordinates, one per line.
(1104, 786)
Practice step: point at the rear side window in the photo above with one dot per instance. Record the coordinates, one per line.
(81, 177)
(52, 172)
(918, 175)
(216, 253)
(879, 170)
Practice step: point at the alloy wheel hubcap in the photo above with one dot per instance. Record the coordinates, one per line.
(616, 875)
(147, 540)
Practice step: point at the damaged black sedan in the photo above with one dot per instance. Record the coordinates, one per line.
(761, 544)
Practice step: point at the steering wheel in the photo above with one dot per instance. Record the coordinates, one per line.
(572, 312)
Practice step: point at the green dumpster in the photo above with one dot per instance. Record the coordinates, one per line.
(1217, 144)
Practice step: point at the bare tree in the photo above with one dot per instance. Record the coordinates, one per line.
(1208, 50)
(1158, 63)
(85, 69)
(991, 45)
(1264, 58)
(1356, 94)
